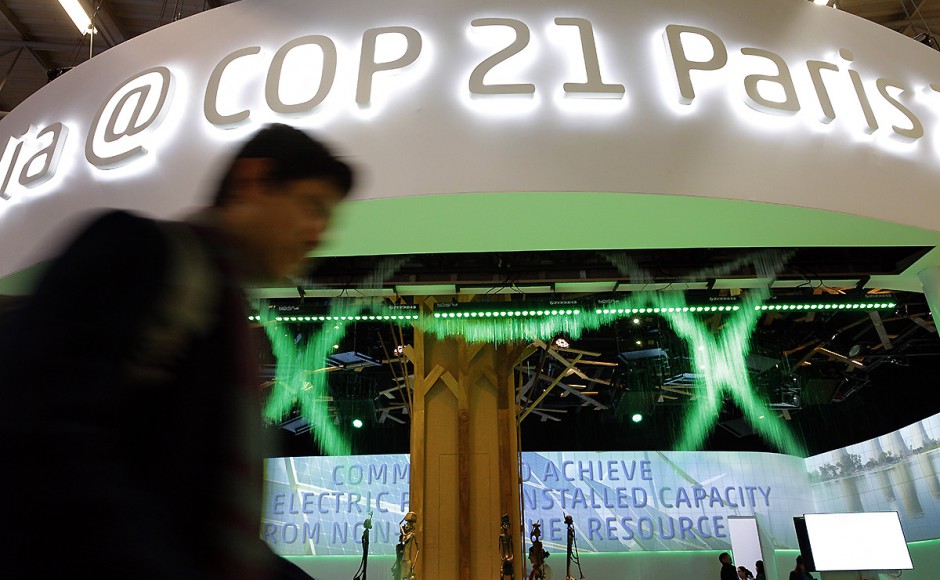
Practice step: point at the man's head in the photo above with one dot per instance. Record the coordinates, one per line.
(724, 558)
(799, 563)
(277, 196)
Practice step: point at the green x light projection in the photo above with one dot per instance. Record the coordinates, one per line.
(718, 357)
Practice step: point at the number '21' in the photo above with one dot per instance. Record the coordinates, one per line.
(594, 87)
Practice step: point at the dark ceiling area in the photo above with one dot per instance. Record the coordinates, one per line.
(515, 271)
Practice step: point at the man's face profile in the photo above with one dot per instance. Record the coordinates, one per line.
(279, 223)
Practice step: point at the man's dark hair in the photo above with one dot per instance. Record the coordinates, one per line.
(799, 559)
(293, 155)
(721, 557)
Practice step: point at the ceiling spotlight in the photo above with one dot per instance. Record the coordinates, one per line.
(636, 321)
(636, 418)
(78, 15)
(357, 423)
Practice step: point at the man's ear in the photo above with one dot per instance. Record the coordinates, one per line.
(248, 177)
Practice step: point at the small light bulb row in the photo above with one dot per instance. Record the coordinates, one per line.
(833, 306)
(256, 318)
(508, 313)
(672, 309)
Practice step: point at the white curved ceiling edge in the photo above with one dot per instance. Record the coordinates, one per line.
(421, 131)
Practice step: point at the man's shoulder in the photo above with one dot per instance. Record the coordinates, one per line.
(116, 231)
(119, 220)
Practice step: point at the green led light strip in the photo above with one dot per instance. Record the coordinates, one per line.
(830, 306)
(358, 317)
(498, 314)
(508, 313)
(668, 310)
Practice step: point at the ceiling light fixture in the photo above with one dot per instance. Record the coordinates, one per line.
(78, 15)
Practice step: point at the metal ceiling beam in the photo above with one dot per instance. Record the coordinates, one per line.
(15, 24)
(33, 45)
(915, 10)
(6, 75)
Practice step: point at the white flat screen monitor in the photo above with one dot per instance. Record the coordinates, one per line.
(857, 541)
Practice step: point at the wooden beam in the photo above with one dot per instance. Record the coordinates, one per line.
(544, 394)
(580, 395)
(880, 329)
(928, 326)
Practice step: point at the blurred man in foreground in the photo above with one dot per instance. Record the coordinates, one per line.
(130, 413)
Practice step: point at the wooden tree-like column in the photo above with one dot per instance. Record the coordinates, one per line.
(464, 455)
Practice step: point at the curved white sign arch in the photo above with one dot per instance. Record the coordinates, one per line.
(773, 101)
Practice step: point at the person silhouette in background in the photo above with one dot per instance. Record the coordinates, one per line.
(727, 568)
(799, 572)
(759, 567)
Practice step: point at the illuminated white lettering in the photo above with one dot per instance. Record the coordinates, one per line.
(42, 162)
(148, 112)
(815, 67)
(790, 103)
(209, 104)
(698, 57)
(47, 157)
(683, 65)
(327, 76)
(594, 87)
(871, 122)
(139, 95)
(368, 64)
(11, 164)
(916, 130)
(521, 40)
